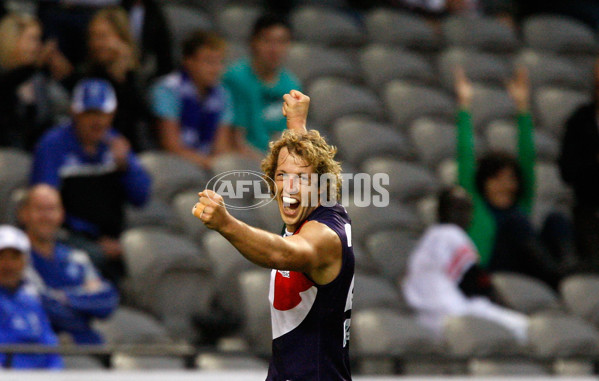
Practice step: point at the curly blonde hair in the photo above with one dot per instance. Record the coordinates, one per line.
(311, 147)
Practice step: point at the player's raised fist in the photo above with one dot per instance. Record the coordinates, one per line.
(295, 109)
(211, 209)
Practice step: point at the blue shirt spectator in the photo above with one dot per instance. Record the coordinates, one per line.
(22, 317)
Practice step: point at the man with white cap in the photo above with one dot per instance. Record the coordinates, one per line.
(96, 172)
(22, 318)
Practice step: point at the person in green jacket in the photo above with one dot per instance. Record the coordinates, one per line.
(502, 188)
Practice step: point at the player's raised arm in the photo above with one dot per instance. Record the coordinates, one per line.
(295, 109)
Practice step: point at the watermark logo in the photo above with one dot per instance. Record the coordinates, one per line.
(245, 189)
(242, 189)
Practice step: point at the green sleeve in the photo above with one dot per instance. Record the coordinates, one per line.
(465, 152)
(526, 160)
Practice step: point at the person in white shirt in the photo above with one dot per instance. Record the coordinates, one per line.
(443, 278)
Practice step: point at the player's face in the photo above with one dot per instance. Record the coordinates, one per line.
(12, 264)
(43, 214)
(292, 177)
(501, 189)
(270, 47)
(92, 126)
(205, 66)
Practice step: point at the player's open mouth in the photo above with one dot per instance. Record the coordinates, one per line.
(290, 205)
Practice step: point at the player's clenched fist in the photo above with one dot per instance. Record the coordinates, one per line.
(211, 209)
(295, 109)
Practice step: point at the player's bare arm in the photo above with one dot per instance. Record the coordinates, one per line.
(316, 250)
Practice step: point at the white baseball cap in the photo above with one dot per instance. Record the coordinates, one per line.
(13, 238)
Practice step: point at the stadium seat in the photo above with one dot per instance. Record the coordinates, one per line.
(503, 368)
(549, 184)
(235, 21)
(311, 61)
(223, 254)
(228, 361)
(523, 293)
(434, 140)
(580, 294)
(182, 20)
(332, 98)
(560, 34)
(82, 363)
(15, 166)
(393, 27)
(182, 204)
(501, 135)
(548, 69)
(271, 217)
(484, 68)
(122, 361)
(484, 33)
(376, 291)
(391, 249)
(472, 336)
(553, 107)
(128, 325)
(326, 26)
(254, 286)
(171, 174)
(156, 212)
(381, 335)
(406, 102)
(408, 181)
(382, 63)
(554, 335)
(490, 104)
(361, 138)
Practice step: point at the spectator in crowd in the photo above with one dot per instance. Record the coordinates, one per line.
(113, 55)
(444, 279)
(192, 109)
(502, 189)
(66, 21)
(25, 103)
(579, 166)
(73, 293)
(96, 172)
(22, 317)
(258, 83)
(150, 32)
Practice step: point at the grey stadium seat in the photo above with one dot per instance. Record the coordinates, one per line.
(580, 293)
(501, 135)
(310, 61)
(405, 29)
(391, 249)
(254, 286)
(382, 63)
(554, 106)
(122, 361)
(549, 184)
(333, 97)
(549, 69)
(156, 212)
(223, 254)
(484, 33)
(15, 166)
(188, 223)
(523, 293)
(558, 34)
(408, 181)
(489, 104)
(131, 326)
(479, 67)
(235, 22)
(560, 335)
(503, 368)
(373, 291)
(360, 138)
(434, 140)
(82, 363)
(325, 25)
(171, 174)
(469, 336)
(183, 20)
(406, 102)
(228, 361)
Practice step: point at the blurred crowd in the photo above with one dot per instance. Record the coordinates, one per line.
(85, 86)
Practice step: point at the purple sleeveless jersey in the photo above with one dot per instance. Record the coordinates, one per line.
(310, 322)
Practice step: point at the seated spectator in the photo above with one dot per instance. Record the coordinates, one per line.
(28, 70)
(579, 167)
(150, 32)
(22, 317)
(192, 109)
(502, 190)
(96, 172)
(73, 293)
(113, 56)
(444, 279)
(257, 84)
